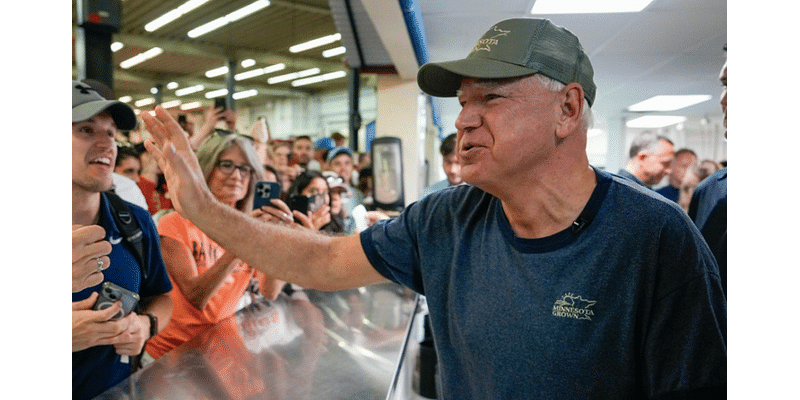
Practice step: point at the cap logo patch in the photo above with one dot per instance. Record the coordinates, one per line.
(485, 44)
(84, 89)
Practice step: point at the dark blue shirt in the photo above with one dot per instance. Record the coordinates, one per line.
(627, 306)
(709, 210)
(98, 368)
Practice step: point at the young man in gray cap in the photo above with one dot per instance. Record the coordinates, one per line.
(101, 347)
(545, 278)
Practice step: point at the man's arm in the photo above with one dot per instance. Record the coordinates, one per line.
(293, 255)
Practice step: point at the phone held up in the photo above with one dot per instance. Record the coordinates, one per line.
(306, 204)
(220, 102)
(264, 193)
(110, 294)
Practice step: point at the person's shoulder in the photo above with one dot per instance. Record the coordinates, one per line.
(632, 195)
(715, 180)
(454, 198)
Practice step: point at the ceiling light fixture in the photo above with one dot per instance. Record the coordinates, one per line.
(144, 102)
(173, 14)
(293, 75)
(189, 90)
(116, 46)
(216, 72)
(171, 104)
(259, 72)
(141, 57)
(189, 106)
(334, 52)
(172, 85)
(669, 103)
(248, 63)
(315, 43)
(125, 99)
(234, 16)
(245, 94)
(216, 93)
(320, 78)
(654, 121)
(588, 6)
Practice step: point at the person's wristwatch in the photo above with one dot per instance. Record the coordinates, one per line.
(153, 324)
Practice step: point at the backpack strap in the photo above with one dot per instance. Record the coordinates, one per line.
(129, 228)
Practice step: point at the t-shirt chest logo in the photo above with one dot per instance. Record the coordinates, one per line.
(572, 306)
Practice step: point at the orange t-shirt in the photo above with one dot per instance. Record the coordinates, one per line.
(187, 321)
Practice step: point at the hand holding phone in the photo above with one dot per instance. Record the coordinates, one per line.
(110, 294)
(264, 193)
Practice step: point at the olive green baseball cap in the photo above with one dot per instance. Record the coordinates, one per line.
(514, 48)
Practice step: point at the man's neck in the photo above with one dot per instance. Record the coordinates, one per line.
(550, 204)
(85, 207)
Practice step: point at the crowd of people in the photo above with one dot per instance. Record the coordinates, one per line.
(544, 277)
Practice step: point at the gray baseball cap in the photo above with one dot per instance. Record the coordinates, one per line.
(87, 103)
(514, 48)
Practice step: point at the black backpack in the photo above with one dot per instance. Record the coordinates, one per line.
(129, 228)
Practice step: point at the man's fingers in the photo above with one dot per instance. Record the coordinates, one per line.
(85, 304)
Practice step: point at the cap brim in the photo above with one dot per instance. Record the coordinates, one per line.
(123, 114)
(443, 79)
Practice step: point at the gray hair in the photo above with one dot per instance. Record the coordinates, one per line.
(208, 156)
(587, 119)
(648, 142)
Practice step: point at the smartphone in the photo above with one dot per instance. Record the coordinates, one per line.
(264, 193)
(299, 203)
(220, 102)
(110, 294)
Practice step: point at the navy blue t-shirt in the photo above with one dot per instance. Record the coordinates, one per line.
(98, 368)
(628, 306)
(709, 210)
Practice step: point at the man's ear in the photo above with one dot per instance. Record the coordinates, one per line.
(571, 104)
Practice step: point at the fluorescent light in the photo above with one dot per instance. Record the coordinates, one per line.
(245, 94)
(189, 106)
(189, 90)
(669, 103)
(144, 102)
(334, 52)
(172, 85)
(248, 63)
(588, 6)
(293, 75)
(141, 57)
(125, 99)
(259, 72)
(116, 46)
(170, 104)
(320, 78)
(234, 16)
(654, 121)
(315, 43)
(173, 14)
(216, 93)
(216, 72)
(153, 90)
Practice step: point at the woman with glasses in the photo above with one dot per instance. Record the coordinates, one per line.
(208, 281)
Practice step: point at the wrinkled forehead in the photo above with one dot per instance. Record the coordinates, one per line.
(487, 83)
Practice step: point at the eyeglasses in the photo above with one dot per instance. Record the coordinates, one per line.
(227, 167)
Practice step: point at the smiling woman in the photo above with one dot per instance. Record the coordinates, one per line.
(209, 281)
